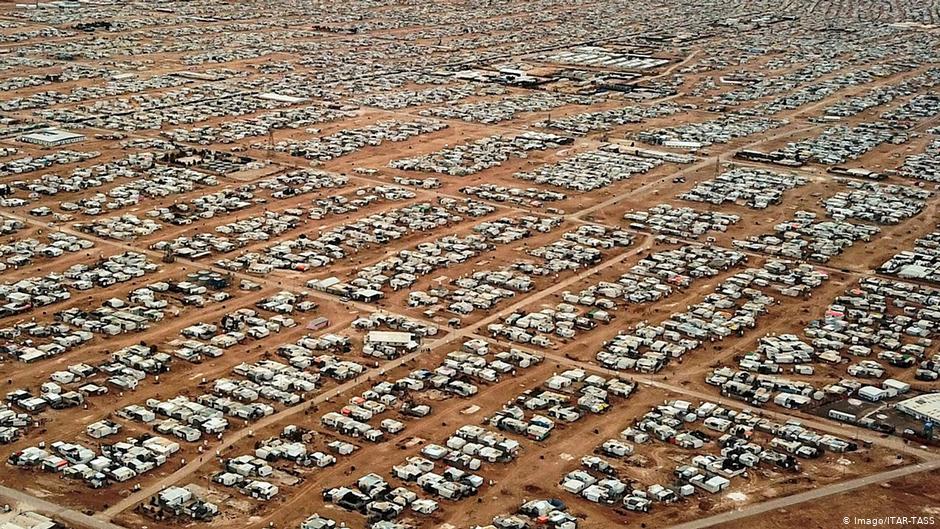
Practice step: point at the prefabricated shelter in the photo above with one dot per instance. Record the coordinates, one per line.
(715, 484)
(390, 338)
(873, 394)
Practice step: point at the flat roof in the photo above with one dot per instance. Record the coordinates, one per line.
(389, 337)
(28, 520)
(51, 136)
(327, 282)
(281, 97)
(927, 406)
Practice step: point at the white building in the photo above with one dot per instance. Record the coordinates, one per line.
(52, 137)
(394, 339)
(923, 407)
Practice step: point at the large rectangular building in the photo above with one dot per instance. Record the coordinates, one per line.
(52, 137)
(922, 407)
(394, 339)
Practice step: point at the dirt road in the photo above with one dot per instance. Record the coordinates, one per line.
(24, 501)
(810, 495)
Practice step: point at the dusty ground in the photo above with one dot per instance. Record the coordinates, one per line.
(333, 63)
(912, 497)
